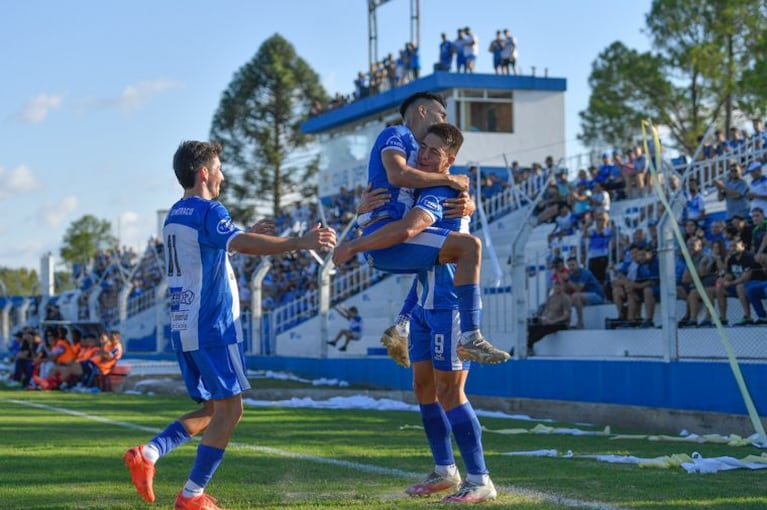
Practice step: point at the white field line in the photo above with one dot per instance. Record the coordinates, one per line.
(366, 468)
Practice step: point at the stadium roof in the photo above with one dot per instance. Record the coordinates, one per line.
(436, 82)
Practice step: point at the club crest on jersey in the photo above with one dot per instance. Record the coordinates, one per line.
(225, 226)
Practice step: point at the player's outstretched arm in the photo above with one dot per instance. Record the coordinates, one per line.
(393, 233)
(400, 174)
(318, 238)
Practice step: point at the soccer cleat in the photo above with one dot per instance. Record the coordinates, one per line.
(434, 482)
(201, 502)
(480, 350)
(470, 492)
(141, 472)
(396, 345)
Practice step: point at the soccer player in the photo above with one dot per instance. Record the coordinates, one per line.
(398, 239)
(434, 339)
(205, 319)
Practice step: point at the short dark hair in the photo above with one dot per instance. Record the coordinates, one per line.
(449, 134)
(419, 96)
(190, 156)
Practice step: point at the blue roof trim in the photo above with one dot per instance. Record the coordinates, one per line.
(436, 82)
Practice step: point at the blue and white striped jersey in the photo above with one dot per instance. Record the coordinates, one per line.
(400, 139)
(205, 305)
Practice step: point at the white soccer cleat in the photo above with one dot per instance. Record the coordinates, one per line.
(480, 350)
(434, 482)
(470, 492)
(395, 339)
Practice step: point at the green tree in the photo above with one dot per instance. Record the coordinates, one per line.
(19, 282)
(85, 237)
(707, 70)
(258, 121)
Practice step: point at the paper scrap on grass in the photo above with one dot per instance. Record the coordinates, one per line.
(694, 463)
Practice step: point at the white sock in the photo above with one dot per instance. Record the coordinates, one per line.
(478, 479)
(446, 471)
(150, 452)
(191, 490)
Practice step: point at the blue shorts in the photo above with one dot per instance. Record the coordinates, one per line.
(215, 373)
(420, 253)
(434, 335)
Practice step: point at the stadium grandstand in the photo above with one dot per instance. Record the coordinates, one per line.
(537, 209)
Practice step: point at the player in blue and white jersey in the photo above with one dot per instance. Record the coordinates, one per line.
(434, 339)
(205, 318)
(391, 165)
(414, 244)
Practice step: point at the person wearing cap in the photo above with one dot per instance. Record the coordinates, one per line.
(733, 192)
(757, 193)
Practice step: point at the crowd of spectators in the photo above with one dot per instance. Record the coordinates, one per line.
(457, 55)
(62, 358)
(617, 265)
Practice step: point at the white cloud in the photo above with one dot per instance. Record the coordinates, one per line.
(17, 180)
(134, 97)
(54, 214)
(36, 109)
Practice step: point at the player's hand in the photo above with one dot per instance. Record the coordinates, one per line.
(264, 226)
(458, 207)
(459, 182)
(372, 199)
(342, 254)
(319, 238)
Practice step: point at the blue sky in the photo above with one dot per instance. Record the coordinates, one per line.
(97, 95)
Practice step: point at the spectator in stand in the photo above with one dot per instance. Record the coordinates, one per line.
(705, 266)
(759, 137)
(721, 147)
(695, 204)
(642, 181)
(353, 331)
(735, 141)
(738, 271)
(583, 288)
(446, 50)
(565, 223)
(598, 240)
(511, 47)
(622, 283)
(600, 198)
(555, 316)
(646, 287)
(734, 192)
(739, 228)
(470, 49)
(361, 88)
(497, 47)
(548, 206)
(758, 245)
(458, 49)
(757, 193)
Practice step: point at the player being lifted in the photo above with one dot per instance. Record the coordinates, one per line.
(398, 238)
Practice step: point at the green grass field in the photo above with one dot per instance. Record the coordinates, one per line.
(63, 451)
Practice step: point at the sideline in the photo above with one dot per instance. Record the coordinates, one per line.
(366, 468)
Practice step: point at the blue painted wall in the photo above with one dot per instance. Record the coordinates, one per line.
(691, 386)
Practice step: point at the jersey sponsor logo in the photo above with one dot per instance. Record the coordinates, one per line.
(183, 297)
(182, 211)
(178, 321)
(430, 202)
(394, 142)
(225, 226)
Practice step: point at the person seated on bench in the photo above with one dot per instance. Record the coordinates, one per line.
(555, 316)
(583, 288)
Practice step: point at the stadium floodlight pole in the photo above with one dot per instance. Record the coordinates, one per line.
(731, 358)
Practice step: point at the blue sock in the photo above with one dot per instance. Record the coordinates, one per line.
(205, 464)
(469, 305)
(410, 301)
(171, 438)
(468, 436)
(437, 429)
